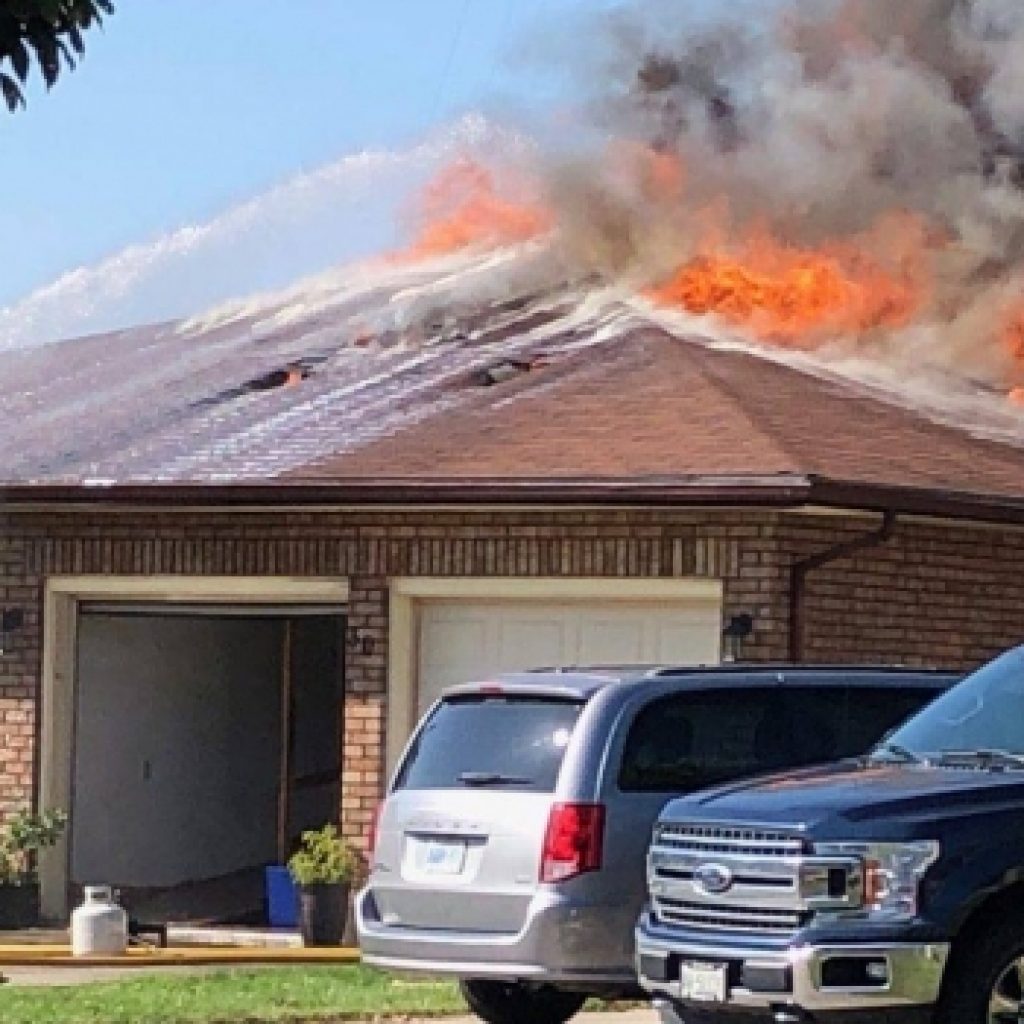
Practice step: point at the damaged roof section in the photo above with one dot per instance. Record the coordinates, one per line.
(508, 369)
(454, 378)
(254, 396)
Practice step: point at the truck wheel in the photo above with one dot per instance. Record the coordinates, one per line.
(499, 1002)
(986, 983)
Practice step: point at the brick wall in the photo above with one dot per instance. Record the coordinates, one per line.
(19, 676)
(934, 594)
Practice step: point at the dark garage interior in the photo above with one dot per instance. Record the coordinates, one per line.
(206, 740)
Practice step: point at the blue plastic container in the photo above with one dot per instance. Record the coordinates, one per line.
(282, 898)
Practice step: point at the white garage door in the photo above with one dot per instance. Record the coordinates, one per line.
(465, 641)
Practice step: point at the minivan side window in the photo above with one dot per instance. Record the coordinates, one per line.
(701, 738)
(862, 715)
(691, 740)
(512, 743)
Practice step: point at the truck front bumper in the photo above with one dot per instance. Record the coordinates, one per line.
(810, 982)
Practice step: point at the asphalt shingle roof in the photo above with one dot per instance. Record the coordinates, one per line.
(652, 405)
(419, 378)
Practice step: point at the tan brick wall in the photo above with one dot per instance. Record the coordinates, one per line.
(935, 594)
(19, 676)
(365, 705)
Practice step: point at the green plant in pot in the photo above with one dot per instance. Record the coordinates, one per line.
(323, 868)
(21, 838)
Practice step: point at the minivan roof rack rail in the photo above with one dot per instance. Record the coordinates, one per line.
(788, 666)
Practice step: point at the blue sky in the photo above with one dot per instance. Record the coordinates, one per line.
(182, 108)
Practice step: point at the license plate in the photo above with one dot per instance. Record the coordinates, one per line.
(439, 858)
(704, 983)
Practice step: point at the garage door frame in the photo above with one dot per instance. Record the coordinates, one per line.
(63, 595)
(407, 595)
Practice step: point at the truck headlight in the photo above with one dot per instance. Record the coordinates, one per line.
(892, 875)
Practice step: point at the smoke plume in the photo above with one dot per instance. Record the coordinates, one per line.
(341, 211)
(834, 172)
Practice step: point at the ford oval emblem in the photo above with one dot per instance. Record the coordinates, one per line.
(714, 879)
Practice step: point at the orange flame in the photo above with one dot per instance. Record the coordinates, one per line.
(659, 174)
(1013, 336)
(462, 209)
(796, 296)
(664, 176)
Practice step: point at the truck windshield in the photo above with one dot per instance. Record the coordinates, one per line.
(984, 714)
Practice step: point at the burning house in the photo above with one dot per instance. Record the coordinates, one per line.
(761, 372)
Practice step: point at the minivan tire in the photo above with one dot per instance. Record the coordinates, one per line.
(500, 1002)
(976, 972)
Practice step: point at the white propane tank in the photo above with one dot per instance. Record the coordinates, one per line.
(99, 926)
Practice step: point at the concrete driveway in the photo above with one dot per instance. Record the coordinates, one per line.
(45, 974)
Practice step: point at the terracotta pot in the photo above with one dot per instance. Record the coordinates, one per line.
(323, 913)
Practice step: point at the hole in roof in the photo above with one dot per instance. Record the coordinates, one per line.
(285, 376)
(507, 369)
(288, 376)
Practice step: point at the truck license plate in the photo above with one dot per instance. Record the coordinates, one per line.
(704, 983)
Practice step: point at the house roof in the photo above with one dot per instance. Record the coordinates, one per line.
(424, 384)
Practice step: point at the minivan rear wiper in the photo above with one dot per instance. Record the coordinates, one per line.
(899, 752)
(983, 758)
(492, 779)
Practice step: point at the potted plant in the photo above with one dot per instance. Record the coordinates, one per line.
(21, 839)
(323, 868)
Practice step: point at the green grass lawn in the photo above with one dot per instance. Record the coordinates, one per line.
(235, 996)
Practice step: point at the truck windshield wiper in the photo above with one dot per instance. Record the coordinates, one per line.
(492, 779)
(898, 752)
(983, 758)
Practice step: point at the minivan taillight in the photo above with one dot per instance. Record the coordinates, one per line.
(574, 841)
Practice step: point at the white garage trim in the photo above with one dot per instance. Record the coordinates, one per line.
(408, 593)
(60, 618)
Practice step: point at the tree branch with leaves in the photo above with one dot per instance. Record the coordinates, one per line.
(48, 33)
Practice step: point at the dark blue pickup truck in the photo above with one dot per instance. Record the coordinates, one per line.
(889, 889)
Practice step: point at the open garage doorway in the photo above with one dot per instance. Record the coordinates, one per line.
(206, 738)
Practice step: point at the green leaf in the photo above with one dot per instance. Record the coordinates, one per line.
(19, 58)
(51, 10)
(47, 52)
(51, 31)
(323, 858)
(69, 57)
(76, 40)
(12, 93)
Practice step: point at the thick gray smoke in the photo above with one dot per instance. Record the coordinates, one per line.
(893, 125)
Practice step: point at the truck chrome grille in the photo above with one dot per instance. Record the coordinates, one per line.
(721, 917)
(715, 839)
(738, 878)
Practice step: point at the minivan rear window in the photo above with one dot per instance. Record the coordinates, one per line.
(493, 742)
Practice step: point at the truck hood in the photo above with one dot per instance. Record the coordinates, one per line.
(853, 800)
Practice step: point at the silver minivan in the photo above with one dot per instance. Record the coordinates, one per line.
(510, 850)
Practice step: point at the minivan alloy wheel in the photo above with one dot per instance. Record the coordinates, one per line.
(1006, 1004)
